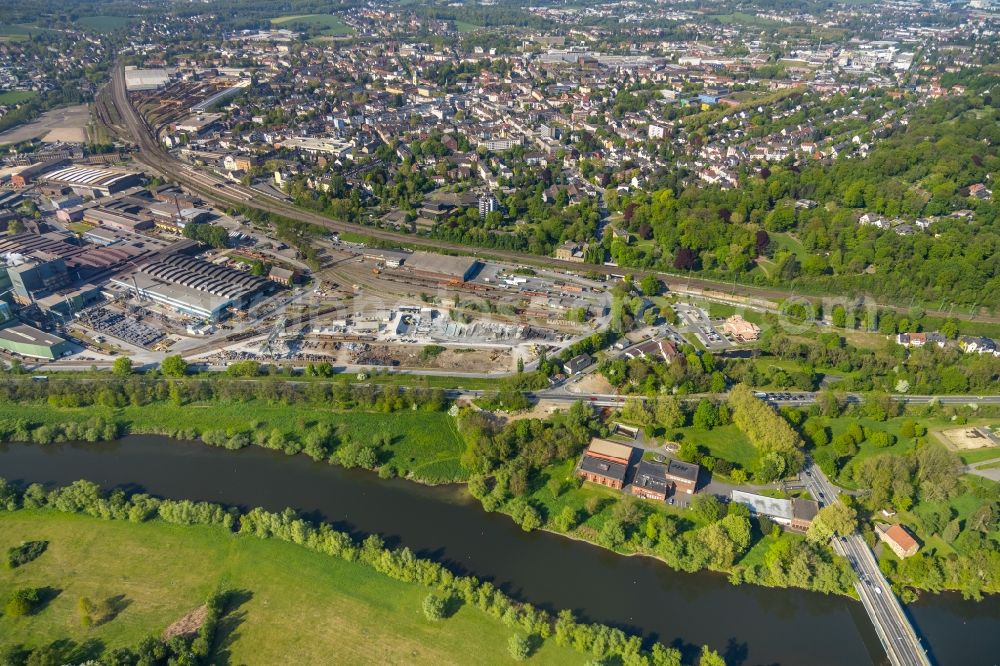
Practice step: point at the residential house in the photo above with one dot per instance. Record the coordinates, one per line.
(898, 539)
(654, 350)
(978, 345)
(578, 364)
(572, 251)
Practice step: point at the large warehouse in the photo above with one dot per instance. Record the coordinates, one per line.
(137, 80)
(442, 266)
(30, 341)
(92, 181)
(25, 340)
(194, 287)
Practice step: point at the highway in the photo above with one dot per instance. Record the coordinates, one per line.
(225, 194)
(899, 638)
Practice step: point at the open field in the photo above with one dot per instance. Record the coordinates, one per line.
(330, 25)
(17, 33)
(16, 96)
(301, 607)
(424, 444)
(723, 442)
(979, 455)
(102, 23)
(65, 124)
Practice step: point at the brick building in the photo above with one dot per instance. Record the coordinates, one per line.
(605, 463)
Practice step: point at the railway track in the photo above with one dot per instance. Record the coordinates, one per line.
(160, 161)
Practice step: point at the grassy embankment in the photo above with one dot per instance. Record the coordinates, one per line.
(425, 445)
(301, 606)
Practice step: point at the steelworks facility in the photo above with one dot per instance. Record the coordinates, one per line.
(194, 287)
(91, 181)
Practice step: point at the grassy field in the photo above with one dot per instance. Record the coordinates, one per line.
(327, 23)
(17, 33)
(866, 449)
(101, 23)
(425, 444)
(465, 26)
(971, 456)
(300, 607)
(749, 20)
(724, 442)
(16, 96)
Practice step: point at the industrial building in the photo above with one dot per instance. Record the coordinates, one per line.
(25, 340)
(442, 267)
(92, 181)
(194, 287)
(198, 124)
(137, 80)
(28, 174)
(119, 220)
(86, 261)
(36, 275)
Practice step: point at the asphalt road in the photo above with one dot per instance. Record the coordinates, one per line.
(159, 160)
(899, 638)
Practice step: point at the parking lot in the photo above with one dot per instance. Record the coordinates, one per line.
(695, 320)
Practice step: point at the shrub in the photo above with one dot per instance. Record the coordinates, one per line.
(23, 602)
(435, 608)
(26, 552)
(519, 647)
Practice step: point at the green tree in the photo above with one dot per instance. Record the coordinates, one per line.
(122, 366)
(435, 607)
(709, 657)
(174, 366)
(706, 508)
(635, 411)
(519, 647)
(23, 601)
(650, 285)
(835, 519)
(566, 519)
(669, 412)
(706, 415)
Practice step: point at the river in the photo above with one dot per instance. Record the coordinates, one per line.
(748, 624)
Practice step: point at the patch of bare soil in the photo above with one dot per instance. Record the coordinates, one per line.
(969, 437)
(187, 625)
(591, 383)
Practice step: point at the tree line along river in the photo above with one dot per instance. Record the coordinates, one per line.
(747, 624)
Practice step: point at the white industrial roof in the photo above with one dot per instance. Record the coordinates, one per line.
(81, 175)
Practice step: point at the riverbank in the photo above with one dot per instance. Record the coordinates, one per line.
(297, 606)
(425, 446)
(422, 445)
(417, 440)
(125, 562)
